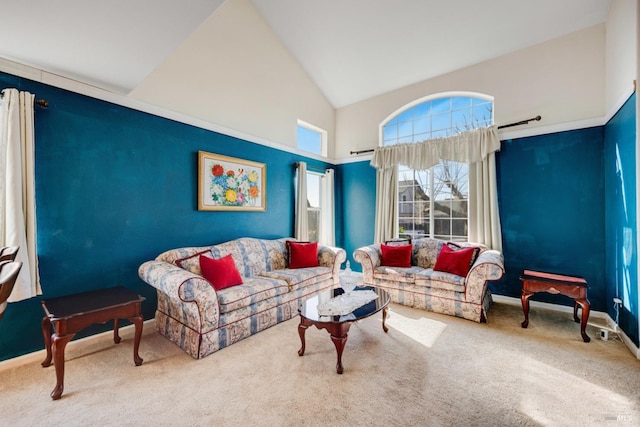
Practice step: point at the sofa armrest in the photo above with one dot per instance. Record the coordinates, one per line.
(488, 267)
(332, 257)
(194, 295)
(369, 257)
(172, 255)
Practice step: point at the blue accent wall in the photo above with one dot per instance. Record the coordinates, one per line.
(621, 218)
(359, 206)
(114, 188)
(551, 201)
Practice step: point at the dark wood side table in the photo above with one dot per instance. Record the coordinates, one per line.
(69, 314)
(572, 286)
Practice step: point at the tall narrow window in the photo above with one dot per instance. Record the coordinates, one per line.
(315, 213)
(434, 202)
(313, 205)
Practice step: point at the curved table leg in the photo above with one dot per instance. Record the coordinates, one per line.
(302, 328)
(384, 319)
(58, 345)
(524, 297)
(116, 326)
(138, 322)
(586, 309)
(339, 342)
(46, 333)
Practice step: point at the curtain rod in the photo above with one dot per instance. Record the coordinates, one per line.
(522, 122)
(41, 102)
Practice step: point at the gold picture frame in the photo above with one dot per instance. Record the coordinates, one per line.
(230, 184)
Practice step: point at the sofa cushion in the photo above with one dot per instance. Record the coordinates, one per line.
(221, 273)
(300, 277)
(425, 251)
(455, 261)
(192, 262)
(254, 289)
(396, 274)
(302, 254)
(396, 255)
(430, 278)
(253, 256)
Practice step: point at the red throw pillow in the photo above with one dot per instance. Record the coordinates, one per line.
(302, 254)
(455, 261)
(396, 255)
(221, 273)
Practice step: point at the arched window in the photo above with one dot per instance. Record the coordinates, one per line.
(434, 202)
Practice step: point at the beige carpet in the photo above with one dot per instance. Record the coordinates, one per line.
(429, 369)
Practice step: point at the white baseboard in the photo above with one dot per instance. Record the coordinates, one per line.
(609, 322)
(125, 331)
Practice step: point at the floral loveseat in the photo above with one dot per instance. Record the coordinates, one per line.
(419, 285)
(202, 320)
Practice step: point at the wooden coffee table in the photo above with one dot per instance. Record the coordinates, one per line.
(338, 326)
(69, 314)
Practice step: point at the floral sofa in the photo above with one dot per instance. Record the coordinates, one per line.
(202, 320)
(420, 286)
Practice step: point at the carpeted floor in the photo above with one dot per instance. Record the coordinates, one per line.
(430, 370)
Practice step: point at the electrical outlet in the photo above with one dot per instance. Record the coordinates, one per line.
(617, 301)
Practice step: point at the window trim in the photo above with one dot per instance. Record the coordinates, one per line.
(323, 137)
(397, 112)
(429, 98)
(321, 202)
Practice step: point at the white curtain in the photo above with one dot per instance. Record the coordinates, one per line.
(302, 220)
(17, 188)
(475, 147)
(386, 204)
(327, 210)
(484, 219)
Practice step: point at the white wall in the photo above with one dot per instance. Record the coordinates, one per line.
(621, 51)
(563, 80)
(233, 71)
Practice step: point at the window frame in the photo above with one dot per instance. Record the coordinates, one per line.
(323, 137)
(398, 140)
(311, 208)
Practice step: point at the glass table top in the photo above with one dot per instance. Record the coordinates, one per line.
(309, 307)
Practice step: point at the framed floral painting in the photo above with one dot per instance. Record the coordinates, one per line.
(226, 183)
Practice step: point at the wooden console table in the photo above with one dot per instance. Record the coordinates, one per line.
(69, 314)
(572, 286)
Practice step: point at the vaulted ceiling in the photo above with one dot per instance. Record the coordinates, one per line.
(351, 49)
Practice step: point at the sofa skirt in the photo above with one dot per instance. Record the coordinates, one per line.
(453, 305)
(199, 345)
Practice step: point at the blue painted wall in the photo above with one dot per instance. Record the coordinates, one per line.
(551, 201)
(621, 217)
(114, 188)
(359, 205)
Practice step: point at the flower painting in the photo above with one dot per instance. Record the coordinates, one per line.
(227, 183)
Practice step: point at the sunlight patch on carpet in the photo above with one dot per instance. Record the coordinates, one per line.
(547, 390)
(422, 330)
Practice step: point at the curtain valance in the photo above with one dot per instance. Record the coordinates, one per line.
(468, 147)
